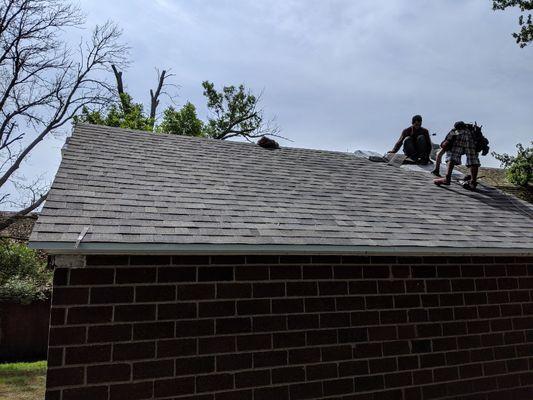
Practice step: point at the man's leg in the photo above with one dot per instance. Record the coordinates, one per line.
(472, 161)
(438, 159)
(472, 184)
(448, 178)
(474, 171)
(409, 147)
(422, 149)
(449, 171)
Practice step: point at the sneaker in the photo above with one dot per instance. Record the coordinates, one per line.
(469, 185)
(441, 181)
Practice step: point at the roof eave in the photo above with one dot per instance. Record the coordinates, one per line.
(172, 248)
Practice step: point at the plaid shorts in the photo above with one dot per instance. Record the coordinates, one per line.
(464, 144)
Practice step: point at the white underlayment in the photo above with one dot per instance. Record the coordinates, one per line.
(410, 167)
(428, 168)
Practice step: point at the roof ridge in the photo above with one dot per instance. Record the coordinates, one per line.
(198, 138)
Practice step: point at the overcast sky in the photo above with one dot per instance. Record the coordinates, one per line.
(339, 75)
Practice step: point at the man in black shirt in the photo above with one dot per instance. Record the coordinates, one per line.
(416, 142)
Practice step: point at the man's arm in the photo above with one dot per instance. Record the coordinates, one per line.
(398, 143)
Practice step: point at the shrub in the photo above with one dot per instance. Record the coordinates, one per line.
(519, 168)
(24, 276)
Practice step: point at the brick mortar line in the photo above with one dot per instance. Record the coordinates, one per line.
(303, 298)
(304, 280)
(385, 388)
(289, 384)
(336, 397)
(68, 306)
(343, 260)
(499, 390)
(435, 383)
(377, 325)
(358, 294)
(338, 376)
(368, 263)
(353, 344)
(455, 262)
(347, 360)
(303, 312)
(218, 300)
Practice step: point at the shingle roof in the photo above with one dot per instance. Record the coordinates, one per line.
(140, 190)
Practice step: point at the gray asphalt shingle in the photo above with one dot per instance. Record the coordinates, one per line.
(136, 187)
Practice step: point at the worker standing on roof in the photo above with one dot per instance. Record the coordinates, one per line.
(446, 145)
(463, 142)
(416, 142)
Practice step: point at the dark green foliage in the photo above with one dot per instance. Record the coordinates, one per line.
(519, 168)
(182, 122)
(525, 21)
(24, 277)
(234, 112)
(124, 114)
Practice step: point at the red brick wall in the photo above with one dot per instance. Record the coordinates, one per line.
(292, 327)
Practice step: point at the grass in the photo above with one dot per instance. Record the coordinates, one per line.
(22, 381)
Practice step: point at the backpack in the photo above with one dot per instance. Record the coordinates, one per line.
(482, 143)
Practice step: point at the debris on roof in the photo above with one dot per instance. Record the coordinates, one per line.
(367, 154)
(268, 143)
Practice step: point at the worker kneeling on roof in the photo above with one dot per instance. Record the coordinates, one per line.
(416, 142)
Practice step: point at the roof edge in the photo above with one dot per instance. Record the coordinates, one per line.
(172, 248)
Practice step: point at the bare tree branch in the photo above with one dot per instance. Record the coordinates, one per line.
(42, 86)
(118, 78)
(154, 97)
(120, 89)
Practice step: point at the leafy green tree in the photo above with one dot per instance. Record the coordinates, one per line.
(235, 111)
(182, 122)
(525, 20)
(24, 276)
(123, 114)
(519, 168)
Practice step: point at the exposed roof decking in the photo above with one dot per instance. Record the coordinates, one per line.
(133, 187)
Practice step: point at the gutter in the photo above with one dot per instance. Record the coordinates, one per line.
(171, 248)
